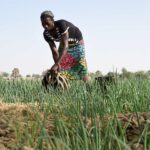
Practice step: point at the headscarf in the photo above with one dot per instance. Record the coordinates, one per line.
(47, 13)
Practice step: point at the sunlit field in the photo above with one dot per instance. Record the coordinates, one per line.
(85, 117)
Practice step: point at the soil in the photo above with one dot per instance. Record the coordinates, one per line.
(14, 120)
(24, 115)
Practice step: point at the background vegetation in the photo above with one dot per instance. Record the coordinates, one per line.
(84, 117)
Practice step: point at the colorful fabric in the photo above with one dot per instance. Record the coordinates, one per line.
(73, 64)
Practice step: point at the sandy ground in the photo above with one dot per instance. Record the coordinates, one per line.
(15, 119)
(25, 115)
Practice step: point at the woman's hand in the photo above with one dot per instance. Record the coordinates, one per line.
(55, 68)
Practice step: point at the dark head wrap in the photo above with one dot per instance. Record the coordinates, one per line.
(47, 13)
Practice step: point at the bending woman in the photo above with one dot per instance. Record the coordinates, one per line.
(70, 56)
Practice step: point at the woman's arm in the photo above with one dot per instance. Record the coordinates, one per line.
(64, 43)
(54, 51)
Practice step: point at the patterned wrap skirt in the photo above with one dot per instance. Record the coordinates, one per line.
(73, 64)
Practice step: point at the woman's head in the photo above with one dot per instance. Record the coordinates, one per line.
(47, 20)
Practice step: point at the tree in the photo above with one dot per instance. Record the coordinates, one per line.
(15, 73)
(36, 76)
(148, 73)
(126, 74)
(124, 70)
(98, 73)
(140, 74)
(5, 74)
(28, 76)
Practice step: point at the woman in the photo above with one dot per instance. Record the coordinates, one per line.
(70, 57)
